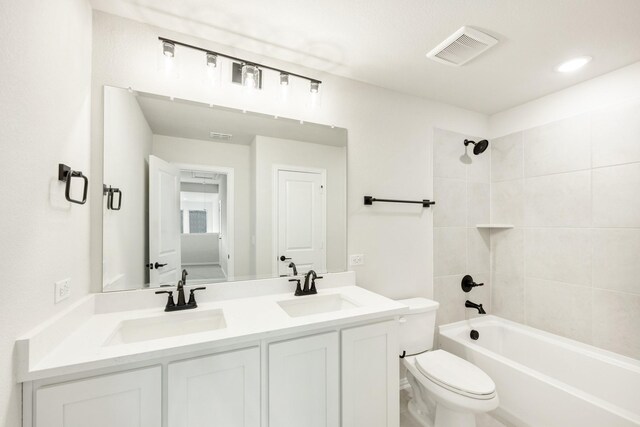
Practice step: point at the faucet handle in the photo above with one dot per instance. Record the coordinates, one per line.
(170, 302)
(313, 289)
(192, 297)
(298, 288)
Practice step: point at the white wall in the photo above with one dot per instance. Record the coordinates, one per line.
(275, 151)
(127, 145)
(389, 151)
(608, 90)
(211, 153)
(570, 186)
(45, 111)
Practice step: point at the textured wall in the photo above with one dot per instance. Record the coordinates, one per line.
(571, 264)
(45, 110)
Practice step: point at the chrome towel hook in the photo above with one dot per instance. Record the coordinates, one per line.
(66, 175)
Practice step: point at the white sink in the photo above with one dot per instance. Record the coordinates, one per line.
(315, 304)
(167, 325)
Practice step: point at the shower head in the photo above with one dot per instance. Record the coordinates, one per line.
(479, 146)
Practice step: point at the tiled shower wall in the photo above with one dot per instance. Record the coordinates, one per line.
(461, 190)
(571, 265)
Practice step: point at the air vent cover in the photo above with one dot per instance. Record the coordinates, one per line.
(220, 136)
(461, 47)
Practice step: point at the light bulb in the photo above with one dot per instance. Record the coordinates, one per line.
(250, 76)
(284, 79)
(212, 60)
(315, 87)
(168, 49)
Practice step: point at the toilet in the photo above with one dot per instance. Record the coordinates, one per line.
(446, 390)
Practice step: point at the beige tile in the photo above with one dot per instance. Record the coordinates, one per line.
(560, 254)
(478, 204)
(508, 301)
(616, 196)
(451, 202)
(447, 291)
(616, 262)
(449, 250)
(617, 322)
(507, 256)
(506, 157)
(616, 136)
(561, 146)
(478, 250)
(479, 170)
(562, 200)
(559, 308)
(449, 158)
(507, 203)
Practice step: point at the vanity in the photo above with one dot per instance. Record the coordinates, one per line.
(252, 354)
(233, 208)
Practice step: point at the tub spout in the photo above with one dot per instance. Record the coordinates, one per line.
(478, 307)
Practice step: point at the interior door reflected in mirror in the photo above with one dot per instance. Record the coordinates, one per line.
(224, 194)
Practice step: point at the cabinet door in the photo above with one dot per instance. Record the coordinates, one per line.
(370, 376)
(218, 390)
(304, 382)
(128, 399)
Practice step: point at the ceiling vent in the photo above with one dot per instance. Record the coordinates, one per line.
(462, 46)
(220, 136)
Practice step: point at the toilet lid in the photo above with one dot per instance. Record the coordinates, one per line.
(454, 373)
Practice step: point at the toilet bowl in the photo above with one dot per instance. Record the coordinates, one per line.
(446, 391)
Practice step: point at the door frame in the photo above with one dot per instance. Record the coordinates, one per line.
(229, 172)
(275, 169)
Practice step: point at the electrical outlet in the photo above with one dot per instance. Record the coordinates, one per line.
(357, 259)
(63, 290)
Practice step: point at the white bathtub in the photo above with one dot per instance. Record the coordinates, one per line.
(545, 380)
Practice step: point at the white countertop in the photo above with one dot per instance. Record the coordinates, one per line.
(247, 319)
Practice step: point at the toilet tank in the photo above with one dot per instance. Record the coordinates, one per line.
(418, 326)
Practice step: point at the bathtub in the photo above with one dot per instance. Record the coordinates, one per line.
(544, 380)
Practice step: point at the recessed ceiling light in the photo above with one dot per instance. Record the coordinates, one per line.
(573, 64)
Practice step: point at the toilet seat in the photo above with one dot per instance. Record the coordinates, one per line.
(455, 374)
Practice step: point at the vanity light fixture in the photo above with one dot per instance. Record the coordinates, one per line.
(212, 60)
(168, 48)
(573, 64)
(251, 71)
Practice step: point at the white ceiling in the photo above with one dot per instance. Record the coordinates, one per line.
(384, 42)
(192, 120)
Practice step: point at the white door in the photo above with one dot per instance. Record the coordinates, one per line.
(217, 390)
(304, 386)
(370, 378)
(129, 399)
(164, 222)
(301, 219)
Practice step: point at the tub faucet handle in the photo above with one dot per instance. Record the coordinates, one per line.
(467, 283)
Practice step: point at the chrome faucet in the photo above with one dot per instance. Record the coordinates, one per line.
(182, 304)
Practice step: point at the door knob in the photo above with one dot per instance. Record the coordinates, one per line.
(284, 258)
(158, 265)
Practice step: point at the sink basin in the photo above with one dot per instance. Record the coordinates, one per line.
(315, 304)
(167, 325)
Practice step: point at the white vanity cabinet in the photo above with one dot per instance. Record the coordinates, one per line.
(217, 390)
(370, 377)
(304, 382)
(127, 399)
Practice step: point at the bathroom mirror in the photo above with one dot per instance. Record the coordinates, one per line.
(225, 194)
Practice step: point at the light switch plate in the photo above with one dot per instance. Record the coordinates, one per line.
(356, 259)
(62, 290)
